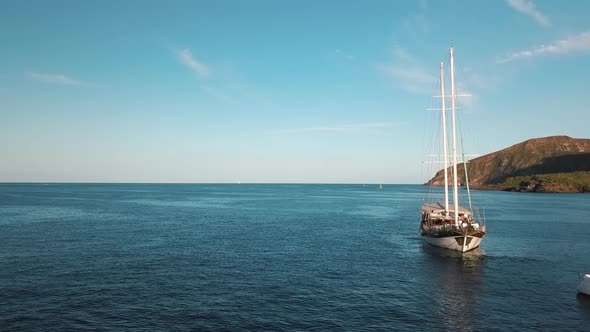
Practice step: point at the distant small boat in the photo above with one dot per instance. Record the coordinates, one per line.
(380, 186)
(584, 286)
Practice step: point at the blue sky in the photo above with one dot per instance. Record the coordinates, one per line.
(276, 91)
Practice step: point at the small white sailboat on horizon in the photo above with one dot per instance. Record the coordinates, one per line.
(443, 224)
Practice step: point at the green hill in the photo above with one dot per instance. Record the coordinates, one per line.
(549, 164)
(557, 182)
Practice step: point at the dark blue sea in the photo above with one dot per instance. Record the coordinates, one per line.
(281, 258)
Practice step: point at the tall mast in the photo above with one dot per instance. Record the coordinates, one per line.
(455, 186)
(444, 128)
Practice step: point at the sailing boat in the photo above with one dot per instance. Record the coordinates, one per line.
(444, 225)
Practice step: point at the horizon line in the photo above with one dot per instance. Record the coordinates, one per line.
(232, 183)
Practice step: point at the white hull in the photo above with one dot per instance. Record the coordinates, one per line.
(584, 286)
(471, 242)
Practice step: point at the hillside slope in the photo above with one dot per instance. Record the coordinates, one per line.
(547, 155)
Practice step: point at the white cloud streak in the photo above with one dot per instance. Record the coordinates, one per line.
(187, 59)
(53, 78)
(408, 73)
(417, 24)
(571, 44)
(341, 53)
(403, 54)
(528, 8)
(356, 127)
(217, 94)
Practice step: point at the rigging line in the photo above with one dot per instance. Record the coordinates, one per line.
(426, 144)
(448, 93)
(430, 167)
(436, 142)
(432, 144)
(432, 147)
(464, 163)
(420, 157)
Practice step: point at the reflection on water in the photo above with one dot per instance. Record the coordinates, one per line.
(584, 304)
(457, 276)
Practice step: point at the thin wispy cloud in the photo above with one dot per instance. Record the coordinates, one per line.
(473, 83)
(187, 59)
(204, 71)
(571, 44)
(408, 73)
(356, 127)
(403, 54)
(412, 79)
(528, 8)
(53, 78)
(217, 94)
(417, 23)
(345, 55)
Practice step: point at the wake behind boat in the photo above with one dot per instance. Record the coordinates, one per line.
(444, 225)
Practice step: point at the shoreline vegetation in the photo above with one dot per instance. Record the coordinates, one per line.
(576, 182)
